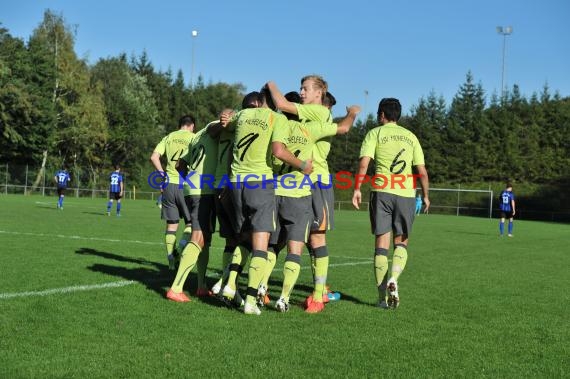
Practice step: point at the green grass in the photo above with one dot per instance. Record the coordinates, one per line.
(472, 304)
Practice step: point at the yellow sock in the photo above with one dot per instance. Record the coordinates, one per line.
(202, 266)
(255, 274)
(321, 270)
(399, 260)
(271, 259)
(290, 274)
(380, 271)
(236, 261)
(170, 240)
(187, 263)
(186, 237)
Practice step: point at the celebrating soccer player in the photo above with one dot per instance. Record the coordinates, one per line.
(174, 207)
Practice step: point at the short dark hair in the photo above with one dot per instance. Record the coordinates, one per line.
(293, 97)
(266, 97)
(329, 100)
(251, 100)
(186, 120)
(391, 107)
(117, 166)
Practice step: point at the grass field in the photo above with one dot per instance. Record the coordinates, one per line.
(82, 295)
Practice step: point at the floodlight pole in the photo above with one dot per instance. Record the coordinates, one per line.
(194, 35)
(504, 32)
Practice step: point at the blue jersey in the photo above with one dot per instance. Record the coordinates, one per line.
(115, 180)
(505, 201)
(419, 201)
(62, 177)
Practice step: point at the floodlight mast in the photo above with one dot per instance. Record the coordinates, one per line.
(504, 31)
(194, 35)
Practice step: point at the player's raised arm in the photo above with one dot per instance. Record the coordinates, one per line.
(346, 123)
(279, 100)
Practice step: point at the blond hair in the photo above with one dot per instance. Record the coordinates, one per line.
(319, 83)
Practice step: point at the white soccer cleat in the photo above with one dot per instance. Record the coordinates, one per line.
(217, 288)
(393, 298)
(251, 309)
(281, 305)
(261, 292)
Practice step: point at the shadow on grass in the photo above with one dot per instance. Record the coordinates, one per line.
(96, 213)
(154, 276)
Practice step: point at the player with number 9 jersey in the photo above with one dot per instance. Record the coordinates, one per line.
(251, 151)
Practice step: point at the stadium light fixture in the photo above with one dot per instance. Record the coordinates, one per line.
(504, 31)
(194, 35)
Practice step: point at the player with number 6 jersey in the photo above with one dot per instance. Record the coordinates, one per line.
(395, 151)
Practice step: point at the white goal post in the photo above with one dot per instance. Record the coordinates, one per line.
(458, 201)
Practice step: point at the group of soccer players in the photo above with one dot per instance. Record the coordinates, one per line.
(257, 157)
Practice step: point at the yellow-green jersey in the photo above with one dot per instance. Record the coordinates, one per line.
(395, 151)
(201, 159)
(251, 150)
(300, 139)
(319, 113)
(172, 147)
(225, 146)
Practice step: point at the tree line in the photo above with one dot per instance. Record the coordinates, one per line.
(57, 109)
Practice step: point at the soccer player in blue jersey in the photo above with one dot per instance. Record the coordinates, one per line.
(61, 178)
(507, 208)
(116, 190)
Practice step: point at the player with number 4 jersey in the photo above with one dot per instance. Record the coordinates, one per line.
(172, 147)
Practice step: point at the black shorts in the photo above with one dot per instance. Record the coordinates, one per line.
(391, 213)
(322, 197)
(173, 204)
(255, 206)
(505, 214)
(61, 191)
(115, 195)
(202, 212)
(224, 211)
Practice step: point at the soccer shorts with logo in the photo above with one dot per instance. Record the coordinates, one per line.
(294, 218)
(254, 202)
(322, 197)
(391, 213)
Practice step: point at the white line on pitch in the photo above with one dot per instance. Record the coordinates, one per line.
(67, 289)
(79, 237)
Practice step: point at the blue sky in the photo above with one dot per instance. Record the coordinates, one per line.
(403, 49)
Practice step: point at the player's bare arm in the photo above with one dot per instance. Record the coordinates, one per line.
(279, 100)
(362, 168)
(346, 123)
(424, 181)
(281, 152)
